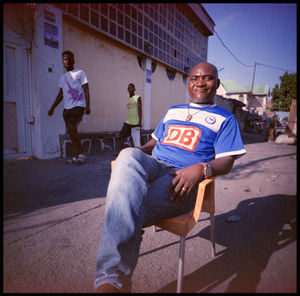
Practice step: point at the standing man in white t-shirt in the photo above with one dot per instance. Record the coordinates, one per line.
(74, 90)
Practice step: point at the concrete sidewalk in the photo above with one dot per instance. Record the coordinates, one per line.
(53, 216)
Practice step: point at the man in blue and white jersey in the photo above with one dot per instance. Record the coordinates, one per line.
(211, 132)
(159, 180)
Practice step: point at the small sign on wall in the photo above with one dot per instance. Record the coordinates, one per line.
(148, 75)
(51, 35)
(49, 16)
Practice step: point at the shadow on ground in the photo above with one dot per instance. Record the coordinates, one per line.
(31, 184)
(253, 138)
(268, 224)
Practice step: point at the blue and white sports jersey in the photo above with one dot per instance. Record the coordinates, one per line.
(212, 132)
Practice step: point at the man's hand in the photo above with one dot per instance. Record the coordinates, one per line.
(87, 110)
(51, 111)
(185, 181)
(148, 147)
(58, 99)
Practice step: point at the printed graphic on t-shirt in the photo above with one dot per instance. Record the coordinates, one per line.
(185, 137)
(75, 94)
(130, 105)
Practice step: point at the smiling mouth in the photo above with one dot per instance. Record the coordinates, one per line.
(201, 90)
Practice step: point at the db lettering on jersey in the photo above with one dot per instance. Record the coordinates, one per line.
(185, 137)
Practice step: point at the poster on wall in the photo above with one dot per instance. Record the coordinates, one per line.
(49, 16)
(148, 75)
(51, 35)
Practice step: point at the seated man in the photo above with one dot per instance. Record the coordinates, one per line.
(159, 180)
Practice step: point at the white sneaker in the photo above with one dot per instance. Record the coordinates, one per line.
(75, 160)
(81, 158)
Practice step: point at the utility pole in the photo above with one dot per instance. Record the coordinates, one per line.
(254, 76)
(251, 95)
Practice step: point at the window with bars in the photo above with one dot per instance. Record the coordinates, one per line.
(169, 33)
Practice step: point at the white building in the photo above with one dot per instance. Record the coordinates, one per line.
(255, 100)
(151, 45)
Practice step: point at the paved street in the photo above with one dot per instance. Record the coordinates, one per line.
(53, 215)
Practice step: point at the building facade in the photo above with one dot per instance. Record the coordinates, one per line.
(153, 46)
(255, 99)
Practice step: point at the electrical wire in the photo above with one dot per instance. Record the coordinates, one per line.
(243, 63)
(230, 51)
(275, 68)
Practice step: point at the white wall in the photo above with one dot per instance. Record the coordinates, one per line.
(110, 67)
(45, 74)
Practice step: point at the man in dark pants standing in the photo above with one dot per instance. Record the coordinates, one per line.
(132, 126)
(74, 90)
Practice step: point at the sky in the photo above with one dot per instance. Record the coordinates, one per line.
(254, 33)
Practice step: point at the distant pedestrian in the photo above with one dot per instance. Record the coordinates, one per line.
(271, 131)
(74, 90)
(132, 126)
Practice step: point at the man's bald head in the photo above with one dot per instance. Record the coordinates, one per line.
(203, 83)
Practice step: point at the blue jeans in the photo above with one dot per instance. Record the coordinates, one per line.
(136, 198)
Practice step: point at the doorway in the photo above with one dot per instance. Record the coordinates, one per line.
(17, 115)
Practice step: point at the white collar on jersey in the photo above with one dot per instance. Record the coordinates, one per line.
(201, 105)
(190, 116)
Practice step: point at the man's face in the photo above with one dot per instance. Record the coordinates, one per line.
(203, 83)
(131, 88)
(68, 62)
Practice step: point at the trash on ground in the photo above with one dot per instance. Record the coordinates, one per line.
(234, 218)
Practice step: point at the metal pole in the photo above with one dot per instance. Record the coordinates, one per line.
(251, 95)
(180, 264)
(253, 78)
(212, 235)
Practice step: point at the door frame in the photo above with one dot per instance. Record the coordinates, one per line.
(25, 119)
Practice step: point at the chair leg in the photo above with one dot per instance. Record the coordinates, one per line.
(180, 264)
(89, 143)
(212, 235)
(65, 147)
(114, 143)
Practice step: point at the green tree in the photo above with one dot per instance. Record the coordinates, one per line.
(282, 96)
